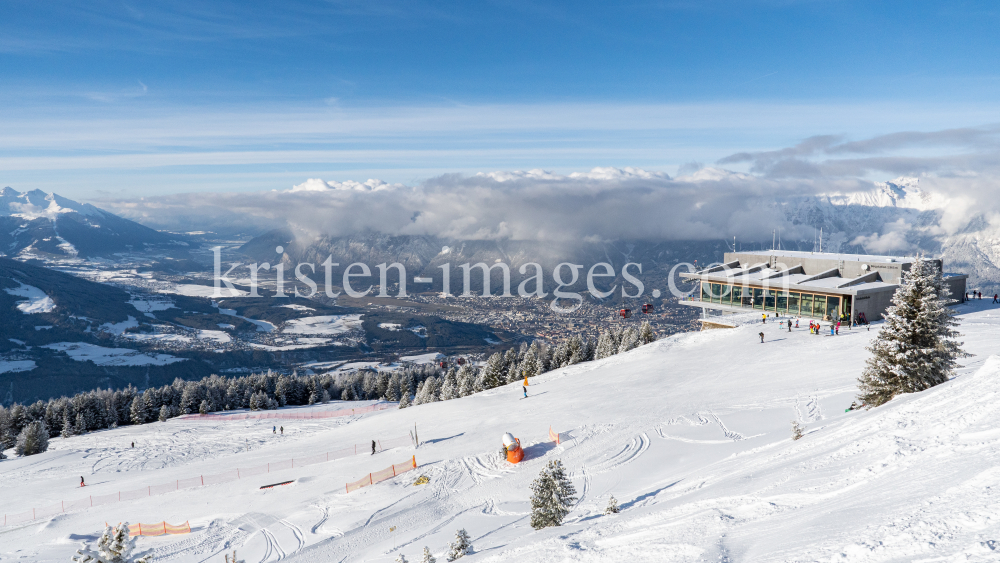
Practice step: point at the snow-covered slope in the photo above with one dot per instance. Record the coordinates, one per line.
(691, 434)
(35, 223)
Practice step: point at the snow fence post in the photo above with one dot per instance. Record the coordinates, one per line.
(268, 467)
(91, 501)
(164, 527)
(140, 528)
(371, 481)
(62, 502)
(202, 483)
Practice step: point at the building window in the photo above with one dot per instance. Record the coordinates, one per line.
(781, 301)
(768, 300)
(819, 306)
(793, 303)
(758, 298)
(706, 292)
(737, 295)
(805, 307)
(716, 292)
(833, 307)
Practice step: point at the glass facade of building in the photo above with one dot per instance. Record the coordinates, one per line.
(797, 303)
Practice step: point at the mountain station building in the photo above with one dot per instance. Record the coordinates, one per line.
(816, 285)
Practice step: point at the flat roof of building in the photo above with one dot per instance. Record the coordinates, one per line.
(830, 256)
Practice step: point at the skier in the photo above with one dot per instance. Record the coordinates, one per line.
(995, 298)
(796, 323)
(763, 318)
(82, 484)
(832, 329)
(282, 430)
(761, 337)
(274, 430)
(133, 444)
(789, 325)
(525, 391)
(373, 447)
(838, 327)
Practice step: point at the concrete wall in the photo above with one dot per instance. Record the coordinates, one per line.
(957, 287)
(873, 303)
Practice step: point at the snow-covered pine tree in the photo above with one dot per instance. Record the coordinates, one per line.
(544, 359)
(67, 426)
(646, 334)
(34, 439)
(461, 547)
(603, 346)
(405, 401)
(428, 557)
(796, 430)
(630, 340)
(493, 374)
(204, 407)
(915, 349)
(7, 435)
(392, 391)
(164, 413)
(114, 546)
(401, 559)
(466, 380)
(513, 373)
(137, 412)
(552, 496)
(612, 507)
(449, 389)
(418, 397)
(529, 365)
(577, 350)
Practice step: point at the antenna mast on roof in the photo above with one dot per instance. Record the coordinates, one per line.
(772, 240)
(821, 239)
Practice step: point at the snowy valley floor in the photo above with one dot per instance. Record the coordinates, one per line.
(691, 434)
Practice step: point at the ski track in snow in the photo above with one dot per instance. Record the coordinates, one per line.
(912, 480)
(635, 448)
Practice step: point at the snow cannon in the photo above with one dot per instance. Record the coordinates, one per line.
(513, 445)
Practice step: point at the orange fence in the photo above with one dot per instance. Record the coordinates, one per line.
(290, 414)
(159, 529)
(379, 476)
(201, 480)
(554, 436)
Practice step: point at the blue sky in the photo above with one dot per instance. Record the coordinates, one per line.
(119, 99)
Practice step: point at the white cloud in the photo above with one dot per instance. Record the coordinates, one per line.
(893, 238)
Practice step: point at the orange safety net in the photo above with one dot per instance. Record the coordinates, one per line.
(554, 436)
(379, 476)
(159, 529)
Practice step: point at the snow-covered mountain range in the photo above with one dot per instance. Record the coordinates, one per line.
(898, 217)
(42, 224)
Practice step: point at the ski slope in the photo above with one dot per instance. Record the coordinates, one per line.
(691, 434)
